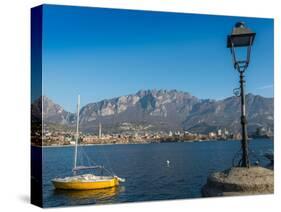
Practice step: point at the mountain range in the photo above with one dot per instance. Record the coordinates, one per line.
(160, 110)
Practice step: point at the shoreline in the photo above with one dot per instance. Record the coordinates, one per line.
(191, 141)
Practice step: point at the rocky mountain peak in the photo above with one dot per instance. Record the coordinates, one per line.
(163, 110)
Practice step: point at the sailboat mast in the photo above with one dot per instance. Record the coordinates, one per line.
(77, 133)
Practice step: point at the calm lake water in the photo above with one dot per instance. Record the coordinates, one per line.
(148, 177)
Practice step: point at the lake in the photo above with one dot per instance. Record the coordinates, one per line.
(144, 166)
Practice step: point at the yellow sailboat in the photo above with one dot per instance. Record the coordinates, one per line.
(85, 181)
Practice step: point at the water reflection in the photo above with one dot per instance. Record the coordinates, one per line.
(105, 195)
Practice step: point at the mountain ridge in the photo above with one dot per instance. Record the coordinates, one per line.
(163, 110)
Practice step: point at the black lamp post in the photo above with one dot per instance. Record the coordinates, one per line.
(242, 38)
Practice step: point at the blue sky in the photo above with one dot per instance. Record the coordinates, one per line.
(103, 53)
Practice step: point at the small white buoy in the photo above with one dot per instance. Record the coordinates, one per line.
(168, 163)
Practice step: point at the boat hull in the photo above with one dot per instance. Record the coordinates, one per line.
(78, 185)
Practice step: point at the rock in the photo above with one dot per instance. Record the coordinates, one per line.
(240, 181)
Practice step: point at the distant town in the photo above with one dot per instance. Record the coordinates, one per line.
(67, 137)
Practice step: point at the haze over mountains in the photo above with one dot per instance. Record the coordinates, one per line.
(161, 110)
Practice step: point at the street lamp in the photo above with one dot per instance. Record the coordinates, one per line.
(241, 39)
